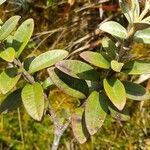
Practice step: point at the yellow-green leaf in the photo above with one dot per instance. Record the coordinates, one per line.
(47, 59)
(33, 100)
(116, 92)
(116, 66)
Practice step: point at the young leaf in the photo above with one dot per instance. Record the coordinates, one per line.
(126, 10)
(114, 29)
(95, 59)
(47, 59)
(22, 36)
(8, 27)
(135, 91)
(110, 47)
(8, 54)
(137, 67)
(95, 111)
(11, 102)
(8, 79)
(33, 100)
(79, 130)
(78, 69)
(116, 66)
(142, 36)
(116, 92)
(69, 85)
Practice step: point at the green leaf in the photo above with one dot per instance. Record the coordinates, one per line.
(110, 47)
(137, 67)
(8, 54)
(47, 59)
(116, 92)
(74, 87)
(142, 36)
(11, 102)
(47, 83)
(114, 29)
(8, 27)
(126, 10)
(95, 59)
(33, 100)
(78, 69)
(22, 36)
(78, 127)
(8, 79)
(2, 1)
(95, 111)
(135, 91)
(116, 66)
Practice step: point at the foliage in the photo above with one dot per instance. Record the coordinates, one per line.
(91, 81)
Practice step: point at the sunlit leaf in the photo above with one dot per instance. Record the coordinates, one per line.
(8, 54)
(47, 59)
(47, 83)
(2, 1)
(78, 69)
(142, 36)
(114, 29)
(8, 27)
(74, 87)
(137, 67)
(95, 111)
(135, 91)
(33, 100)
(78, 126)
(22, 36)
(95, 59)
(8, 79)
(116, 66)
(116, 92)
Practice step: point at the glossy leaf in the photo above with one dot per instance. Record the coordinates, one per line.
(11, 102)
(22, 36)
(8, 27)
(116, 92)
(95, 59)
(33, 100)
(137, 67)
(135, 91)
(114, 29)
(110, 47)
(69, 85)
(47, 59)
(78, 69)
(116, 66)
(79, 130)
(142, 36)
(95, 111)
(8, 54)
(8, 79)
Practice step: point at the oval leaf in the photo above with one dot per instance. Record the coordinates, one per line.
(33, 100)
(143, 36)
(8, 27)
(95, 59)
(77, 122)
(8, 54)
(114, 29)
(135, 91)
(47, 59)
(95, 111)
(116, 66)
(71, 86)
(8, 79)
(137, 67)
(22, 36)
(78, 69)
(116, 92)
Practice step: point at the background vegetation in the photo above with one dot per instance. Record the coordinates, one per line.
(72, 26)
